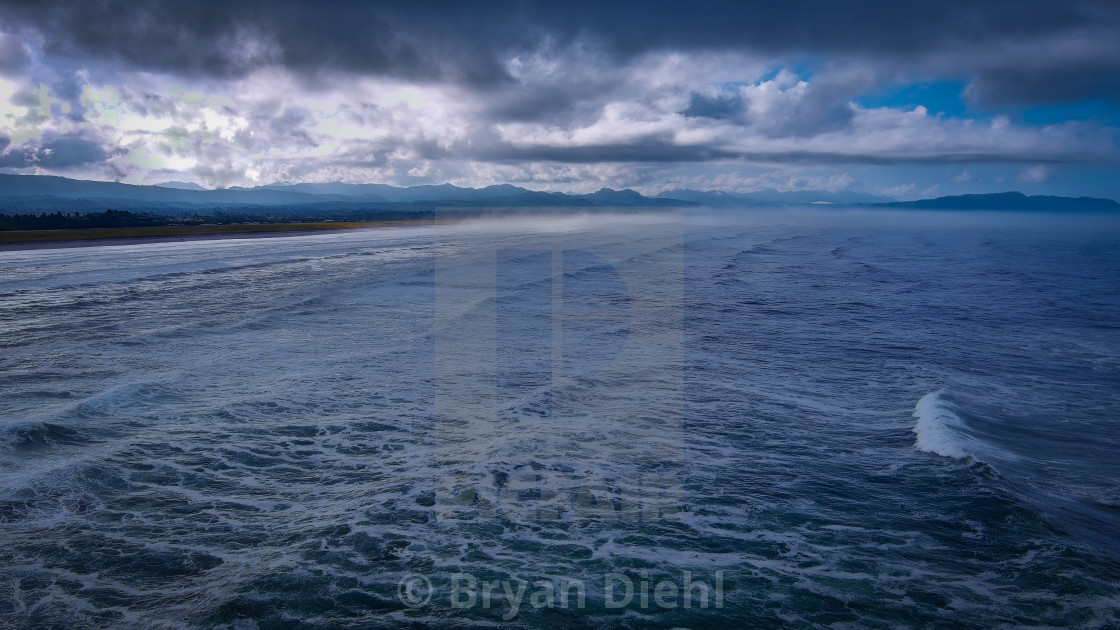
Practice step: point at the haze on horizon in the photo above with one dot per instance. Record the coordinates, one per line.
(898, 99)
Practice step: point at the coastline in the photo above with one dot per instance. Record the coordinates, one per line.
(17, 240)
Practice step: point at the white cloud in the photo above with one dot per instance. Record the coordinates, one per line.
(902, 190)
(542, 133)
(780, 180)
(1036, 174)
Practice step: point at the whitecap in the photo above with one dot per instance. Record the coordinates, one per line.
(939, 429)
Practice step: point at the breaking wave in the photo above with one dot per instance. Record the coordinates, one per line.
(939, 429)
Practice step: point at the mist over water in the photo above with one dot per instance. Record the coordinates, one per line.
(870, 419)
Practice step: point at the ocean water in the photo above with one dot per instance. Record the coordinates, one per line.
(735, 419)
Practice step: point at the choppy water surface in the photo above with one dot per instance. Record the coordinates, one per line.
(860, 420)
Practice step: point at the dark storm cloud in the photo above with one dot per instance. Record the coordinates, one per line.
(722, 106)
(273, 124)
(468, 41)
(556, 101)
(825, 109)
(60, 152)
(232, 37)
(1018, 86)
(250, 91)
(13, 56)
(652, 153)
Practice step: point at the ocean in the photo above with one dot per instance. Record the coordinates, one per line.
(704, 419)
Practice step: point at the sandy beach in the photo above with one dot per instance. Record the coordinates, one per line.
(88, 237)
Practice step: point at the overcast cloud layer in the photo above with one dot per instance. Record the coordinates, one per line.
(884, 97)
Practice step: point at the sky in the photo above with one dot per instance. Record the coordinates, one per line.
(907, 100)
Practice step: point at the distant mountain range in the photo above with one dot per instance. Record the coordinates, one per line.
(42, 193)
(1009, 201)
(38, 193)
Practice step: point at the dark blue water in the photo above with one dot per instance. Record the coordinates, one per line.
(762, 420)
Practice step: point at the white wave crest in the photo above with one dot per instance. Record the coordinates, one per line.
(939, 429)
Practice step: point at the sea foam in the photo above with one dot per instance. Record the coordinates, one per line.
(938, 428)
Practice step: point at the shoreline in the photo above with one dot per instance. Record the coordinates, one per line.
(18, 240)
